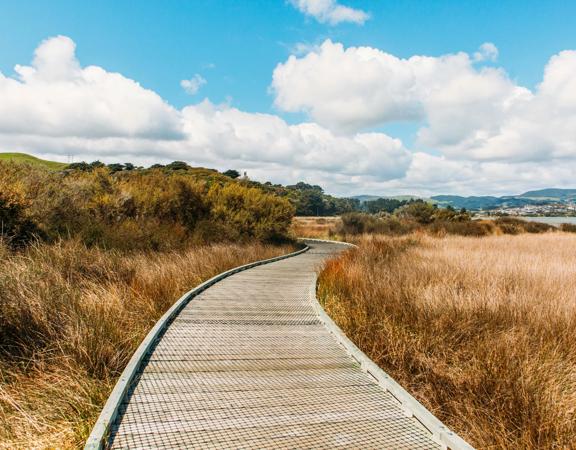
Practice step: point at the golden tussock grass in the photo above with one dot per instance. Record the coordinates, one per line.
(70, 319)
(314, 227)
(482, 331)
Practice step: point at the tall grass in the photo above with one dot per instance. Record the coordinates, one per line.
(71, 317)
(314, 227)
(481, 330)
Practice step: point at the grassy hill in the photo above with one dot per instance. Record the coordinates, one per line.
(543, 196)
(551, 194)
(25, 158)
(369, 198)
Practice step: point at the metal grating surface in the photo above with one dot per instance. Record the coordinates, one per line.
(249, 364)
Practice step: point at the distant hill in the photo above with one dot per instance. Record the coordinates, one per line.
(473, 203)
(540, 197)
(368, 198)
(25, 158)
(552, 194)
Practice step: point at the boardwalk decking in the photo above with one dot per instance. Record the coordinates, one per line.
(249, 363)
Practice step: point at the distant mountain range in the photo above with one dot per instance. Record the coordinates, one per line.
(368, 198)
(539, 197)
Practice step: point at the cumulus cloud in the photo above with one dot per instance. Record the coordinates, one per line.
(330, 11)
(487, 52)
(56, 106)
(469, 110)
(233, 134)
(55, 96)
(193, 85)
(489, 135)
(352, 88)
(431, 174)
(516, 124)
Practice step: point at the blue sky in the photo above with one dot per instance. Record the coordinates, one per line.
(161, 43)
(235, 47)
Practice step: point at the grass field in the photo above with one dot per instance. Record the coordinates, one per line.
(314, 227)
(70, 319)
(481, 330)
(29, 159)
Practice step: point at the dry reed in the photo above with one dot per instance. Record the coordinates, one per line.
(481, 330)
(314, 227)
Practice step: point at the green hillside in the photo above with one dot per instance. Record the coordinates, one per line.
(551, 194)
(368, 198)
(25, 158)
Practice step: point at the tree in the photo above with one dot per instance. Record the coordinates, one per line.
(177, 165)
(129, 166)
(82, 166)
(418, 210)
(301, 186)
(157, 166)
(388, 205)
(96, 164)
(311, 203)
(232, 173)
(115, 167)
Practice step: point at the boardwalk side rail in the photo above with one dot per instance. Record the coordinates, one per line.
(101, 430)
(412, 407)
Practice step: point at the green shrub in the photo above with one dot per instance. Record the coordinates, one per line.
(513, 225)
(419, 211)
(140, 209)
(16, 229)
(568, 227)
(359, 223)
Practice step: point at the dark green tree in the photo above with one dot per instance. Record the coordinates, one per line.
(115, 167)
(388, 205)
(177, 165)
(232, 173)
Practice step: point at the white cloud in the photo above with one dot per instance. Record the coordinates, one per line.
(431, 175)
(193, 85)
(329, 11)
(487, 52)
(54, 96)
(230, 134)
(522, 125)
(492, 135)
(352, 88)
(469, 111)
(56, 106)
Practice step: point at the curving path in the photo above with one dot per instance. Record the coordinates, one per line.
(252, 362)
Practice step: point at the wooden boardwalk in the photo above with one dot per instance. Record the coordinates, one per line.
(250, 363)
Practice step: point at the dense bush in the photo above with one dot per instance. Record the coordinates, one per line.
(418, 211)
(512, 225)
(421, 216)
(379, 205)
(158, 208)
(311, 200)
(232, 173)
(360, 223)
(568, 227)
(16, 229)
